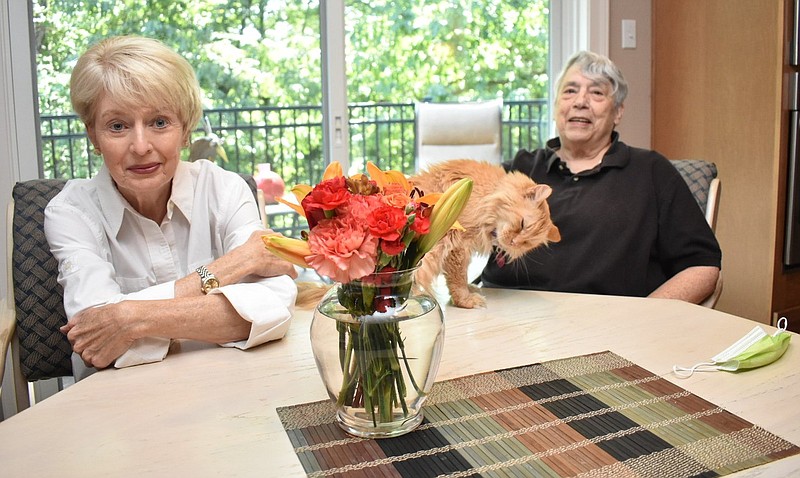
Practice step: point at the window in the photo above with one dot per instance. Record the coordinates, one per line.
(455, 27)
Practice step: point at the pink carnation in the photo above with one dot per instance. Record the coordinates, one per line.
(342, 248)
(359, 206)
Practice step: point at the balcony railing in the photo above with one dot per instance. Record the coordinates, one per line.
(290, 139)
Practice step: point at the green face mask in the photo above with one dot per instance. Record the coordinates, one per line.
(755, 349)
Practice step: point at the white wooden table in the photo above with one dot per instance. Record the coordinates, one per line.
(210, 411)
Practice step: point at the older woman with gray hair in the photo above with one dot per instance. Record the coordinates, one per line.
(629, 224)
(153, 248)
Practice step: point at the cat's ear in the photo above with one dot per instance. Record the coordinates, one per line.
(554, 235)
(539, 192)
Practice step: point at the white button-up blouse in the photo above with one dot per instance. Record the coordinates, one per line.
(107, 252)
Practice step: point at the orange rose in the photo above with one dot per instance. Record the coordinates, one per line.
(396, 196)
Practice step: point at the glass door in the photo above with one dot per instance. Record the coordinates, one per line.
(402, 52)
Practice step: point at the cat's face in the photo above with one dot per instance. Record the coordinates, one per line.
(525, 224)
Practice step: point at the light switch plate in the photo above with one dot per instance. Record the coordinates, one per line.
(628, 33)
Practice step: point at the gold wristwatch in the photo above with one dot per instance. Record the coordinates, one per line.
(208, 280)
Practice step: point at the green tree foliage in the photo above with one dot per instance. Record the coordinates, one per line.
(447, 50)
(267, 52)
(258, 63)
(245, 52)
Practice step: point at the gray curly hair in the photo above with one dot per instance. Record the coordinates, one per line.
(599, 68)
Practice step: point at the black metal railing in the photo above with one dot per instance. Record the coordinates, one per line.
(290, 139)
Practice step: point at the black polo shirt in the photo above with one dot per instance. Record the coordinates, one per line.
(626, 226)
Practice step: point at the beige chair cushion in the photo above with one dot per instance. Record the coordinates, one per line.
(458, 131)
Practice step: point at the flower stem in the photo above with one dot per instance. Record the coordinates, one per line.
(371, 347)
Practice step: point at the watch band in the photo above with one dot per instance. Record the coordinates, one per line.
(208, 281)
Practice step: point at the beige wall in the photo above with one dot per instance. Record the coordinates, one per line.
(636, 66)
(717, 96)
(705, 82)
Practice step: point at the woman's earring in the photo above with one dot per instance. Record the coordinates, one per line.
(97, 152)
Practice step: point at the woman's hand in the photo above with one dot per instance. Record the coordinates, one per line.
(100, 334)
(265, 263)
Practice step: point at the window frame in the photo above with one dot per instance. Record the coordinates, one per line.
(19, 129)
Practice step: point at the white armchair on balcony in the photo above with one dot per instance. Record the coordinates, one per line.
(458, 131)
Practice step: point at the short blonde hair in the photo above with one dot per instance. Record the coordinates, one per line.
(135, 71)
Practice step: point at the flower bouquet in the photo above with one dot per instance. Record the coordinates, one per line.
(369, 234)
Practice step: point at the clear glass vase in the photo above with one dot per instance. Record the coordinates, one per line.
(377, 343)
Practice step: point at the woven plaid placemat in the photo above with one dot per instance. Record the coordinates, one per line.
(592, 415)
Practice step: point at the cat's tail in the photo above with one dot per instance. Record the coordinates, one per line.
(310, 293)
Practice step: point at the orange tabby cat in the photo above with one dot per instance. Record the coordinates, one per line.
(508, 211)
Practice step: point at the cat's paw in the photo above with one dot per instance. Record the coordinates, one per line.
(474, 288)
(471, 300)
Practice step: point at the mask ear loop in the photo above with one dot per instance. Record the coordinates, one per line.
(782, 324)
(683, 372)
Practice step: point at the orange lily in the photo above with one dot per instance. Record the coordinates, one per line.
(430, 199)
(382, 178)
(398, 178)
(334, 170)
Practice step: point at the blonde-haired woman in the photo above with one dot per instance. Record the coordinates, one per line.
(154, 248)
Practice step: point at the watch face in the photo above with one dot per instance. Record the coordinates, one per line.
(207, 280)
(210, 283)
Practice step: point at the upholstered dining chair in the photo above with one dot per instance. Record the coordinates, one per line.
(458, 131)
(38, 349)
(701, 177)
(259, 195)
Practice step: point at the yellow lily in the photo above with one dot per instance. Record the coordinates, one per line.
(444, 214)
(300, 192)
(287, 248)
